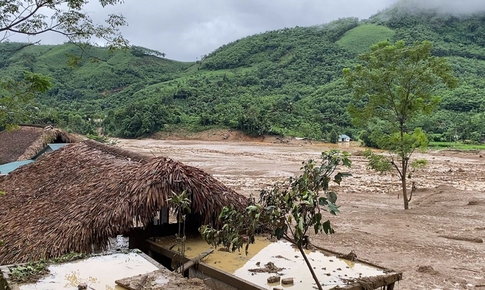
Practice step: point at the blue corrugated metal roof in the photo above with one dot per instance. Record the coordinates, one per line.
(55, 146)
(8, 167)
(49, 148)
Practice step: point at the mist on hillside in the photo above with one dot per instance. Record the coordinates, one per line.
(454, 7)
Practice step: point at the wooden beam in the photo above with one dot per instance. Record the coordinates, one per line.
(227, 278)
(387, 281)
(157, 248)
(193, 261)
(207, 270)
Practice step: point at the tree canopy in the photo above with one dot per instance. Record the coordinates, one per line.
(66, 17)
(16, 95)
(396, 82)
(393, 85)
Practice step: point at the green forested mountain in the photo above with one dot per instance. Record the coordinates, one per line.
(287, 81)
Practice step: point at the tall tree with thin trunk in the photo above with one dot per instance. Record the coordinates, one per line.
(395, 83)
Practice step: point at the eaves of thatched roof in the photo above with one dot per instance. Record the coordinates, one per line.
(82, 194)
(26, 141)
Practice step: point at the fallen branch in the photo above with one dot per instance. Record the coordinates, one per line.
(465, 269)
(467, 239)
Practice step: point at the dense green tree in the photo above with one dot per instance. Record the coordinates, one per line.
(15, 95)
(333, 137)
(137, 120)
(371, 134)
(396, 83)
(253, 122)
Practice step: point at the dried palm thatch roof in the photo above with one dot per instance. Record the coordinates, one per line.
(14, 143)
(25, 142)
(49, 135)
(82, 194)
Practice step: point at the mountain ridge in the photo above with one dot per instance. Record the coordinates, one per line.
(284, 82)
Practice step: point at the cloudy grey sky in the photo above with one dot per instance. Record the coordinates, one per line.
(187, 29)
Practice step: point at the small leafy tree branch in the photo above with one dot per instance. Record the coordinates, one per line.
(16, 94)
(181, 205)
(289, 210)
(65, 17)
(37, 17)
(394, 84)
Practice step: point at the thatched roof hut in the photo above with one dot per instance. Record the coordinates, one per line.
(82, 194)
(26, 141)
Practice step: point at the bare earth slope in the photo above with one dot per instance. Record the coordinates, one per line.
(437, 244)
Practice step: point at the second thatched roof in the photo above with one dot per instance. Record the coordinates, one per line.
(26, 141)
(82, 194)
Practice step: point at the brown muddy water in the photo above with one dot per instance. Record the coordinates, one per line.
(331, 270)
(449, 201)
(226, 261)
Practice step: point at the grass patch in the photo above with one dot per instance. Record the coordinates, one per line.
(29, 273)
(33, 271)
(455, 146)
(359, 39)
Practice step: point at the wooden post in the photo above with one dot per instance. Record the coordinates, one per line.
(164, 215)
(193, 261)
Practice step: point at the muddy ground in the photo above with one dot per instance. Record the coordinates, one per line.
(437, 243)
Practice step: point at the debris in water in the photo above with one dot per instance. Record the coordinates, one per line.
(287, 281)
(350, 256)
(268, 268)
(281, 257)
(273, 279)
(427, 270)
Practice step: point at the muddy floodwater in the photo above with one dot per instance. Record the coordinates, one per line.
(227, 261)
(331, 271)
(437, 243)
(97, 272)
